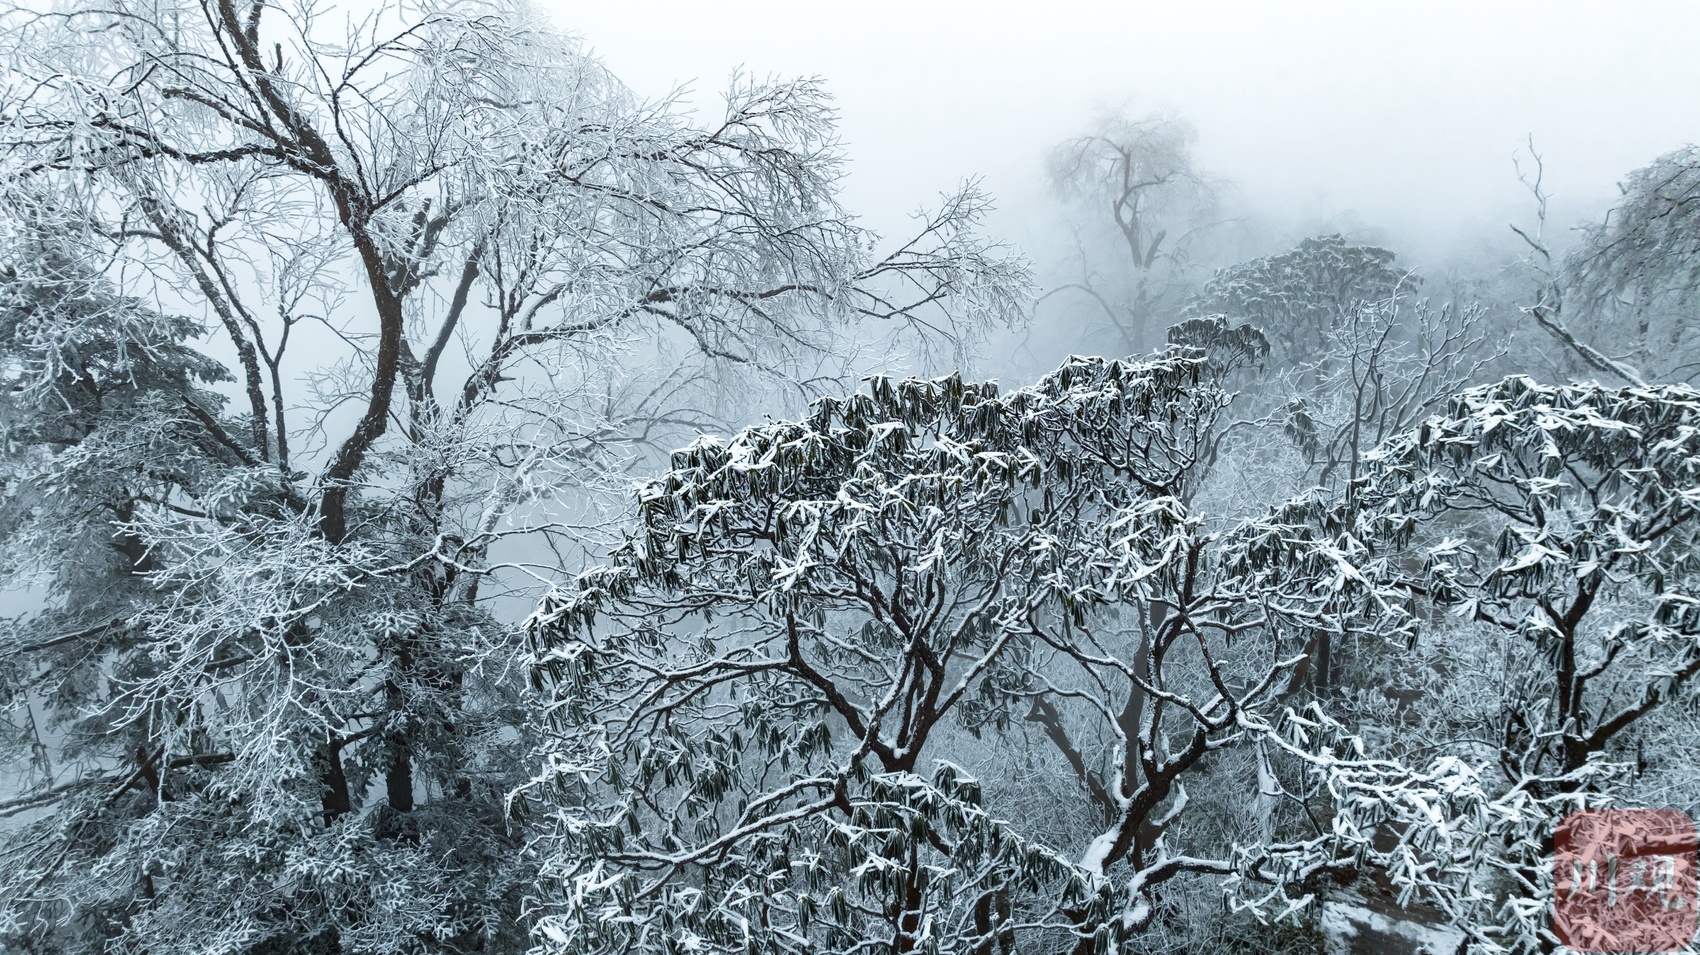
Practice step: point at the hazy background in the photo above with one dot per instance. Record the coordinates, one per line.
(1402, 117)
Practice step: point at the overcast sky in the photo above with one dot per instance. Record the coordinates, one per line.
(1405, 114)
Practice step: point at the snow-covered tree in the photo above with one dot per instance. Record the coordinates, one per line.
(263, 701)
(1632, 281)
(1563, 517)
(1557, 527)
(1355, 358)
(1301, 296)
(1383, 368)
(759, 713)
(746, 702)
(1137, 183)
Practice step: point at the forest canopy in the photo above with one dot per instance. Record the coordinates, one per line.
(452, 503)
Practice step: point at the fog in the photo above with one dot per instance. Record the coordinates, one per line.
(1322, 115)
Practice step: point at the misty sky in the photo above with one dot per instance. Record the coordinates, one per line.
(1404, 115)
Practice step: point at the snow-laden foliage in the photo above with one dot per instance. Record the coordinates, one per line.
(202, 656)
(1568, 517)
(1353, 358)
(1560, 524)
(748, 743)
(749, 707)
(743, 700)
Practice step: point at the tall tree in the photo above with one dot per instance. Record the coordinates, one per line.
(1139, 178)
